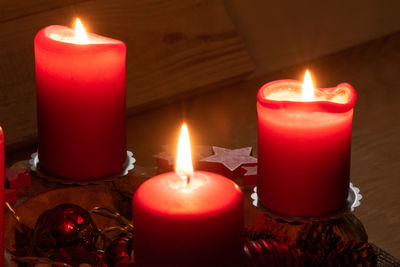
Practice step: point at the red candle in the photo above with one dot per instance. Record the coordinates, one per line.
(187, 218)
(304, 142)
(2, 196)
(80, 88)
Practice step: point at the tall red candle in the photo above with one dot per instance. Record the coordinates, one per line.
(180, 222)
(2, 195)
(304, 147)
(80, 88)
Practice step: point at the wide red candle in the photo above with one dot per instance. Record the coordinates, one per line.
(185, 223)
(1, 195)
(304, 148)
(80, 88)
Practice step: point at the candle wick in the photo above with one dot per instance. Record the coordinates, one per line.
(188, 179)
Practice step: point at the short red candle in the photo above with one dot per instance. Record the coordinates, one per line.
(185, 223)
(201, 225)
(80, 92)
(1, 195)
(304, 148)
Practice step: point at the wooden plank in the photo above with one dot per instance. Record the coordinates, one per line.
(13, 9)
(286, 32)
(173, 47)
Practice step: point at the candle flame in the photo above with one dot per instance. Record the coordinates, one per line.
(80, 33)
(308, 88)
(184, 156)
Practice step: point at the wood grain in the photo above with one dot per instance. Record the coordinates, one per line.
(173, 47)
(14, 9)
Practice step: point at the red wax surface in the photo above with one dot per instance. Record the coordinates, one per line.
(304, 148)
(80, 92)
(198, 226)
(1, 196)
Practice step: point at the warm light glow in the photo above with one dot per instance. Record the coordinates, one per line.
(80, 33)
(184, 156)
(308, 88)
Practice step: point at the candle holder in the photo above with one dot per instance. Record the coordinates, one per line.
(353, 201)
(34, 166)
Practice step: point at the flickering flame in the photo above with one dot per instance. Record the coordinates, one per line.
(80, 33)
(308, 88)
(184, 156)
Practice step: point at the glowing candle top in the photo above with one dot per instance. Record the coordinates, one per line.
(292, 94)
(58, 38)
(185, 190)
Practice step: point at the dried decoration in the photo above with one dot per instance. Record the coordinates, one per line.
(266, 228)
(24, 244)
(67, 236)
(268, 252)
(269, 239)
(78, 255)
(319, 245)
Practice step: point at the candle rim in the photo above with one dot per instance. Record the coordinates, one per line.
(50, 44)
(91, 36)
(310, 106)
(195, 208)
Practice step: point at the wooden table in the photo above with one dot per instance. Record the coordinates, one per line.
(227, 117)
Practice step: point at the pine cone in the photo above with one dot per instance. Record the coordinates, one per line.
(317, 239)
(266, 228)
(23, 242)
(353, 254)
(270, 253)
(319, 245)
